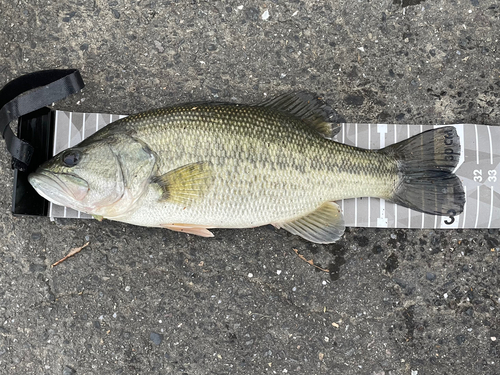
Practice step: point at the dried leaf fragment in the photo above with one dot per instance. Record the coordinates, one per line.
(310, 261)
(72, 252)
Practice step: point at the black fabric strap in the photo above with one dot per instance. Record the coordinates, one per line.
(27, 94)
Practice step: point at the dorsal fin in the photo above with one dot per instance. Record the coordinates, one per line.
(310, 108)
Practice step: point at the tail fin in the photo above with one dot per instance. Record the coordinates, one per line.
(425, 168)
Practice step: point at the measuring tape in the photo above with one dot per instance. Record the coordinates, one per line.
(478, 169)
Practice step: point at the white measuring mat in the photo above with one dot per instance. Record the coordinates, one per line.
(478, 168)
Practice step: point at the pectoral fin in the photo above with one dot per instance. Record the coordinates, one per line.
(188, 228)
(186, 184)
(325, 225)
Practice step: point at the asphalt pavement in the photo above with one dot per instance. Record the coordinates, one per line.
(151, 301)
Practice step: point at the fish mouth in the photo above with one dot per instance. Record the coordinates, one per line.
(63, 189)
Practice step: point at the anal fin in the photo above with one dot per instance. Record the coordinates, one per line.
(325, 225)
(189, 228)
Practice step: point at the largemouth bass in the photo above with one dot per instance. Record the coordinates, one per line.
(198, 166)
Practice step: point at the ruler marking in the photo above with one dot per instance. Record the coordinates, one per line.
(395, 215)
(69, 129)
(69, 145)
(491, 145)
(423, 215)
(369, 136)
(355, 212)
(78, 213)
(477, 145)
(55, 132)
(356, 199)
(369, 199)
(492, 196)
(479, 187)
(464, 214)
(83, 137)
(54, 152)
(368, 221)
(382, 220)
(83, 127)
(356, 135)
(477, 208)
(408, 135)
(395, 205)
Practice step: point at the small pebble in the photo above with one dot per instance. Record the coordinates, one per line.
(278, 272)
(68, 371)
(156, 338)
(127, 288)
(159, 46)
(460, 339)
(250, 274)
(36, 236)
(430, 276)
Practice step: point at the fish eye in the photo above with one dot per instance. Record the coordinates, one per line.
(71, 158)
